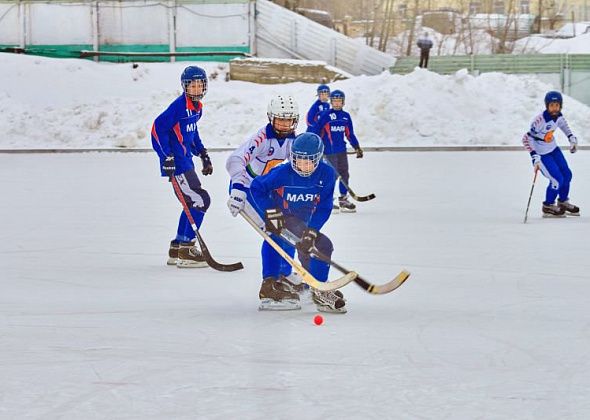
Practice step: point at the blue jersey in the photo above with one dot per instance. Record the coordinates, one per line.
(307, 198)
(315, 110)
(175, 133)
(332, 126)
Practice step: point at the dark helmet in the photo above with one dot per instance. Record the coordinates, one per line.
(323, 89)
(190, 74)
(337, 94)
(306, 146)
(553, 96)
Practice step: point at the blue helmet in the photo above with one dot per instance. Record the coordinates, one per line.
(553, 96)
(337, 94)
(306, 146)
(323, 89)
(190, 74)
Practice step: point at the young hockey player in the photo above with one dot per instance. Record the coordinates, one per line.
(176, 139)
(539, 141)
(320, 105)
(333, 125)
(261, 152)
(297, 196)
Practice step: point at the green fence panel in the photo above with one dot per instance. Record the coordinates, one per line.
(505, 63)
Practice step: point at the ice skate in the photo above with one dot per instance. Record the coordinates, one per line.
(173, 253)
(276, 295)
(553, 210)
(298, 286)
(345, 205)
(569, 208)
(335, 207)
(329, 301)
(189, 256)
(294, 282)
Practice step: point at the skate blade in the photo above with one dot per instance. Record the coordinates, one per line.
(171, 261)
(343, 210)
(327, 309)
(276, 305)
(572, 214)
(553, 216)
(191, 264)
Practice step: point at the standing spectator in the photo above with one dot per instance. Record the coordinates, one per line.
(425, 44)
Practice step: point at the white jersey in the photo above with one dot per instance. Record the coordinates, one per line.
(540, 138)
(257, 156)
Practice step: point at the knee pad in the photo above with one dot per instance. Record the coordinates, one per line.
(206, 200)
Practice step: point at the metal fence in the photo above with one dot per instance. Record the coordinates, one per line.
(568, 72)
(282, 33)
(153, 29)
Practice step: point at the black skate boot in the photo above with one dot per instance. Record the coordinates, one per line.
(294, 282)
(570, 209)
(553, 210)
(329, 301)
(173, 252)
(189, 256)
(276, 295)
(345, 205)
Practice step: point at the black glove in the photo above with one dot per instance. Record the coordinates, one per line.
(359, 153)
(169, 167)
(307, 242)
(274, 220)
(207, 165)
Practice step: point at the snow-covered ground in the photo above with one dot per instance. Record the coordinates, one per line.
(52, 103)
(536, 44)
(493, 323)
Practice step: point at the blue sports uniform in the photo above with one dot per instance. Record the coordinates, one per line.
(540, 140)
(305, 202)
(333, 126)
(316, 109)
(175, 133)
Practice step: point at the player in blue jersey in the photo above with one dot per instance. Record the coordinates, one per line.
(297, 196)
(320, 105)
(539, 141)
(176, 139)
(333, 125)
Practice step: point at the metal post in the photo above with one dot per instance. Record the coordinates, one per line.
(561, 73)
(172, 28)
(252, 26)
(22, 25)
(95, 29)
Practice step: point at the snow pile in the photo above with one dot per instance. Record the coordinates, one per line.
(51, 103)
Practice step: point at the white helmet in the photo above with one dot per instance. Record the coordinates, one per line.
(283, 107)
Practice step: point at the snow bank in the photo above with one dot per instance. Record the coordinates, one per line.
(48, 103)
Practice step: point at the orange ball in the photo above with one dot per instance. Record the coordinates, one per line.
(318, 320)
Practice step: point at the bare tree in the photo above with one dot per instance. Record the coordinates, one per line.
(413, 27)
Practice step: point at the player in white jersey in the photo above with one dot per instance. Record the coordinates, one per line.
(539, 141)
(269, 147)
(261, 152)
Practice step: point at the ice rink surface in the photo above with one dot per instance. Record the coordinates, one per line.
(493, 324)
